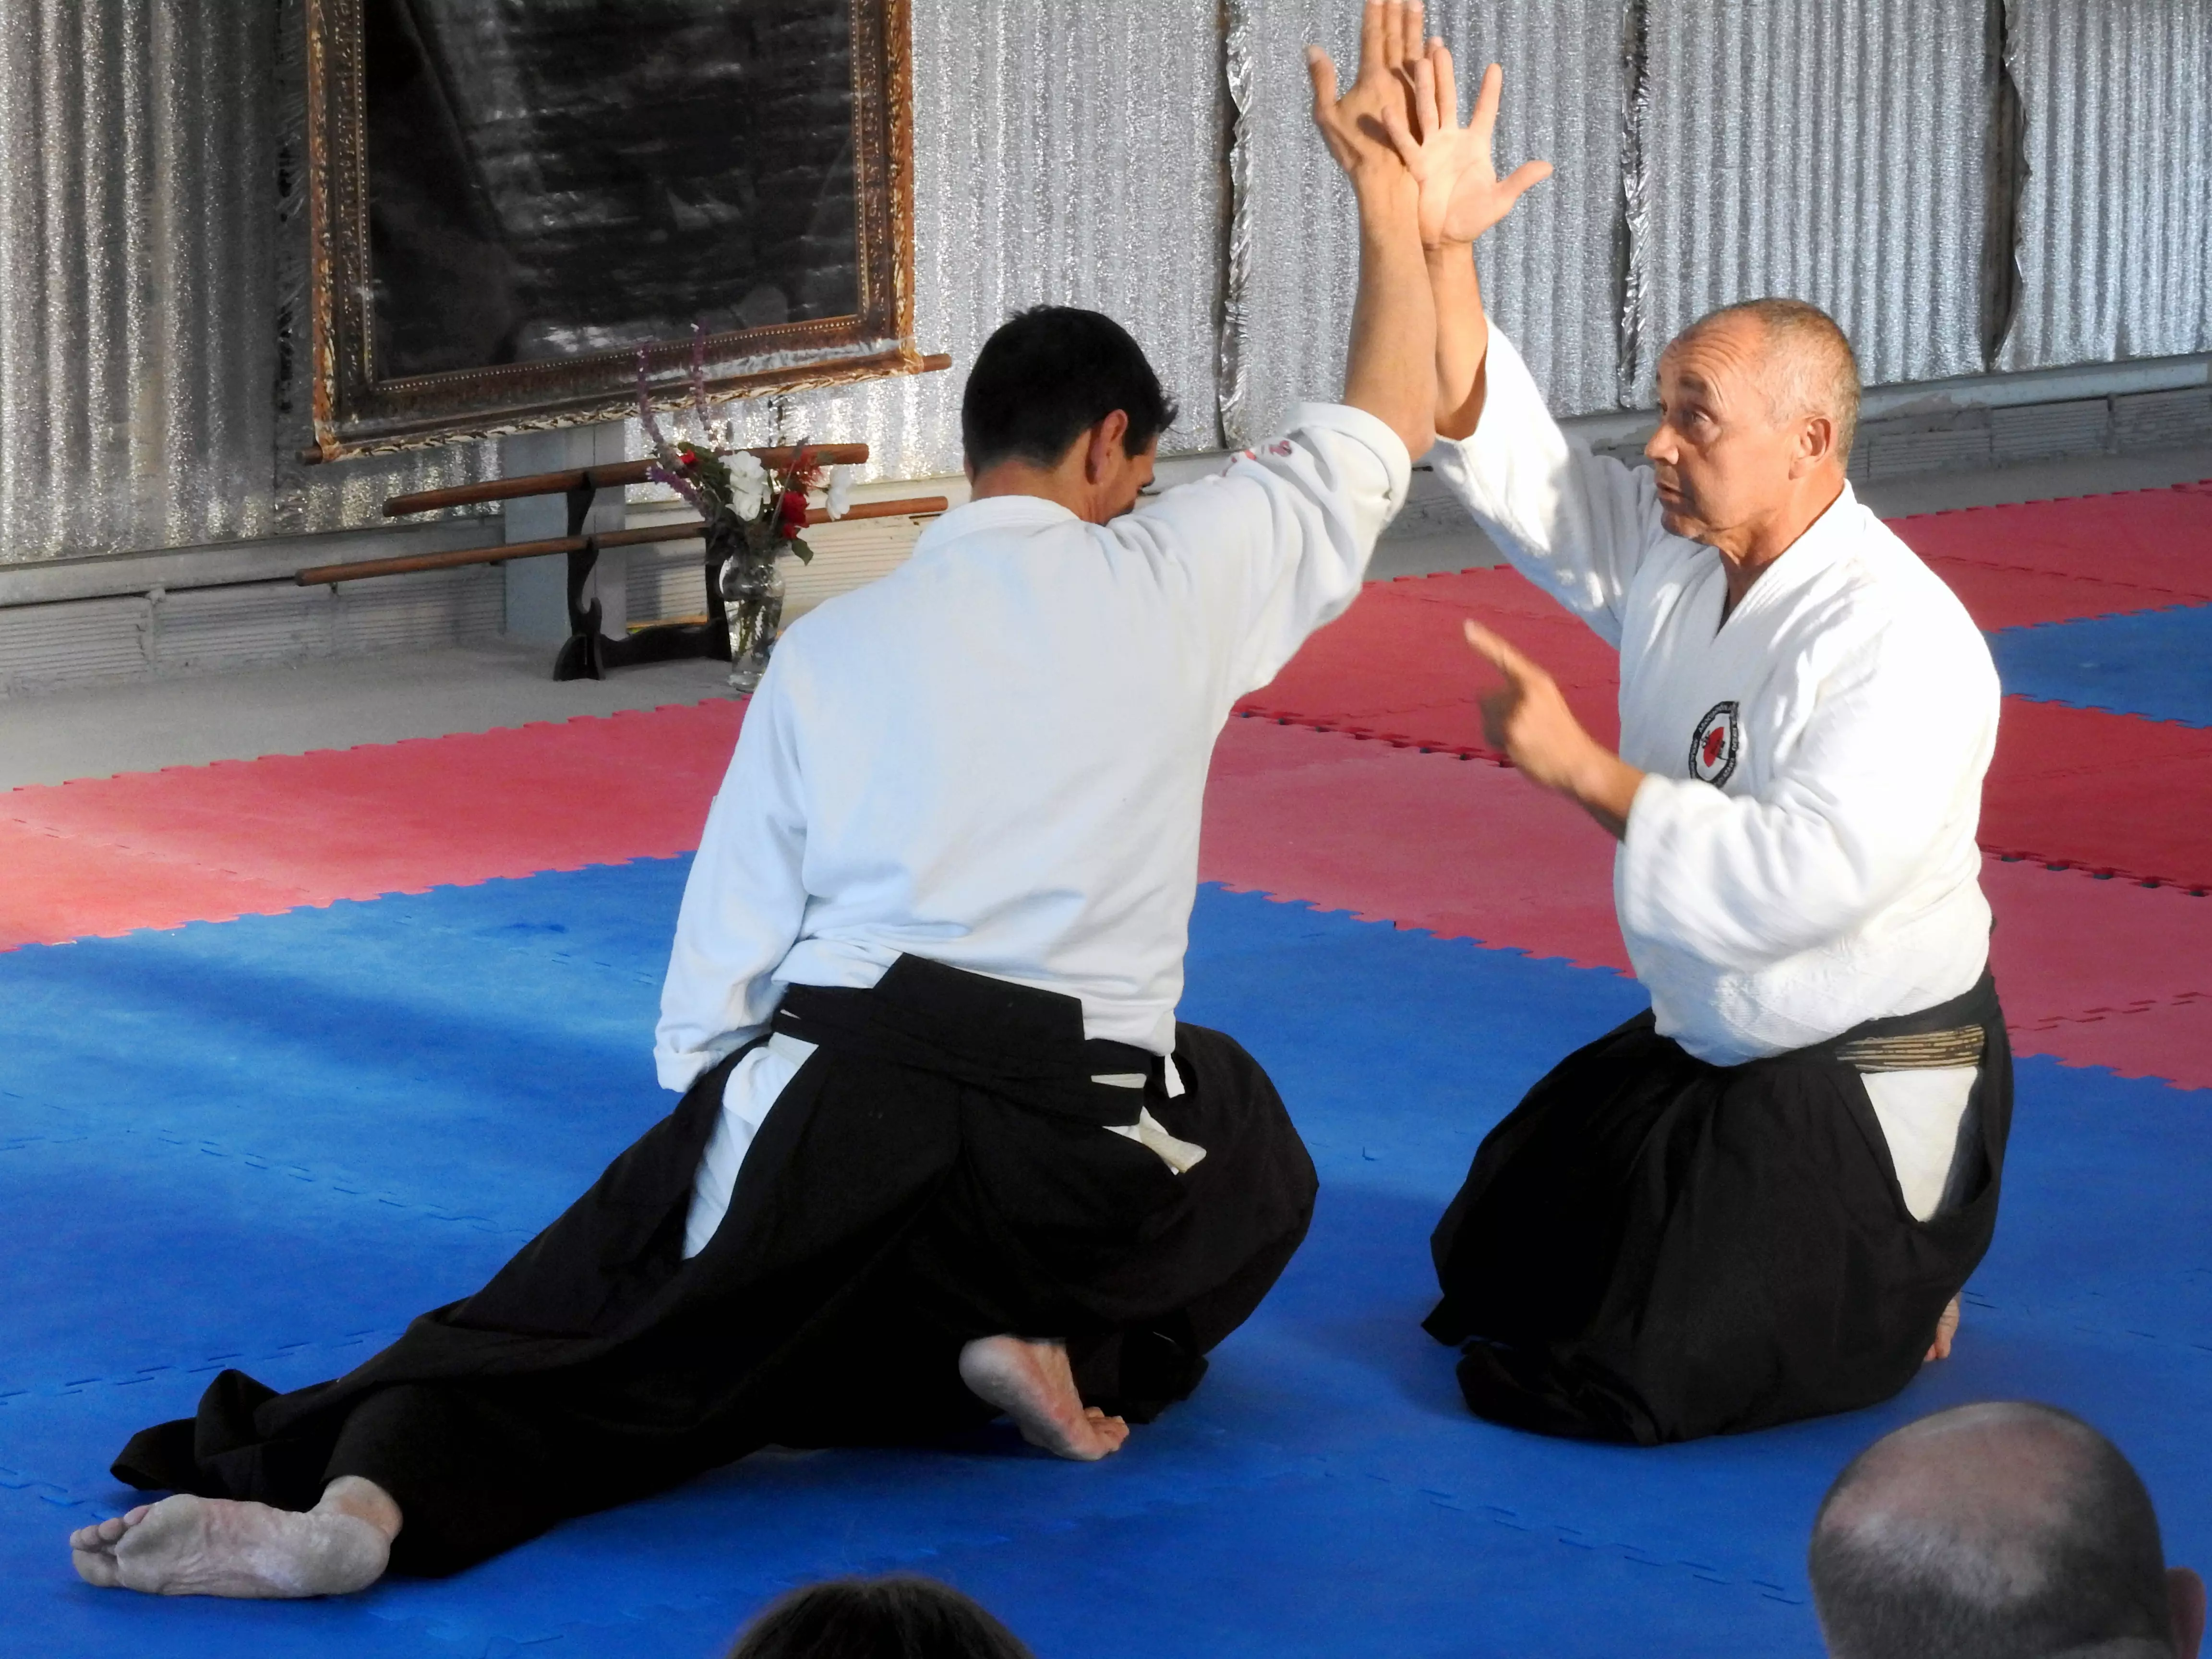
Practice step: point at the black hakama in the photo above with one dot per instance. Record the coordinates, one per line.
(937, 1171)
(1651, 1249)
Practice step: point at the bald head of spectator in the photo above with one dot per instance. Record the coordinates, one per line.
(2002, 1531)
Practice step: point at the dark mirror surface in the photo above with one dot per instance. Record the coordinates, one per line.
(552, 177)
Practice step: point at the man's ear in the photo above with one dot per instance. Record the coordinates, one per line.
(1816, 443)
(2185, 1593)
(1104, 447)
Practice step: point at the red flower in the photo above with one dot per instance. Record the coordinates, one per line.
(791, 515)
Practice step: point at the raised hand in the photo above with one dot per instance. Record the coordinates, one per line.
(1461, 195)
(1371, 124)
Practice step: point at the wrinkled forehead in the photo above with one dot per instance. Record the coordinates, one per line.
(1722, 361)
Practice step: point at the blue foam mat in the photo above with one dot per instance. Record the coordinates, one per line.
(269, 1142)
(2157, 663)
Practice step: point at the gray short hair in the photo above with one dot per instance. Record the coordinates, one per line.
(1810, 369)
(1990, 1532)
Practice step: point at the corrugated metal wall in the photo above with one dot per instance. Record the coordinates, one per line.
(152, 250)
(2116, 219)
(1070, 152)
(1549, 269)
(148, 180)
(1828, 150)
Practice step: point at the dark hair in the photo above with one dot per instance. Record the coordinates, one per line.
(2007, 1531)
(903, 1616)
(1047, 375)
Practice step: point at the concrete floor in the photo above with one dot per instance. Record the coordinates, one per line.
(333, 703)
(339, 703)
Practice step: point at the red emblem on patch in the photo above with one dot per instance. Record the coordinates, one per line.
(1714, 745)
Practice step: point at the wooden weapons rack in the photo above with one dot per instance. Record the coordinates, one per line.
(588, 653)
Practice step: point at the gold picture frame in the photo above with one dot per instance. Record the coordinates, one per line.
(356, 409)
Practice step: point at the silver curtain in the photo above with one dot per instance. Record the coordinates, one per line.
(2116, 217)
(1828, 150)
(151, 251)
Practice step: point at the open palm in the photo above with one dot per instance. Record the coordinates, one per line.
(1461, 195)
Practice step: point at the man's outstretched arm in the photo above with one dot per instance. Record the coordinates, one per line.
(1389, 370)
(1462, 197)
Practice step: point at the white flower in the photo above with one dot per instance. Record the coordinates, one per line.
(748, 483)
(841, 491)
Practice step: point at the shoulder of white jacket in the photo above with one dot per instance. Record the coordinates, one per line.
(1886, 571)
(1878, 597)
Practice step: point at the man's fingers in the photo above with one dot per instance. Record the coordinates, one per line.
(1524, 177)
(1501, 655)
(1405, 41)
(1402, 136)
(1426, 117)
(1374, 37)
(1484, 121)
(1320, 68)
(1497, 710)
(1447, 74)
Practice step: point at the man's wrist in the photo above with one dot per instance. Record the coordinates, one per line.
(1605, 780)
(1386, 191)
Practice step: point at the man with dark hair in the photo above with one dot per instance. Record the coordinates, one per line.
(899, 1616)
(1757, 1201)
(2005, 1531)
(1048, 375)
(944, 1149)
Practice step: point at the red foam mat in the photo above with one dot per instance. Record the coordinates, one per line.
(1463, 848)
(2166, 1041)
(157, 849)
(2069, 946)
(1995, 596)
(2147, 538)
(2066, 787)
(2092, 972)
(2101, 792)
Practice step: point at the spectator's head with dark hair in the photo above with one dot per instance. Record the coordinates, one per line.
(1998, 1532)
(900, 1617)
(1062, 403)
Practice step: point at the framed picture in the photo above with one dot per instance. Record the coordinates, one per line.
(508, 202)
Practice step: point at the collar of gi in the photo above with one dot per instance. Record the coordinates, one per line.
(994, 513)
(1826, 539)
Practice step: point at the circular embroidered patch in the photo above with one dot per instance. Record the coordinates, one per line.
(1713, 747)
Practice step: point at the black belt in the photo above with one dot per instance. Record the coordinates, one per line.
(1012, 1039)
(1953, 1033)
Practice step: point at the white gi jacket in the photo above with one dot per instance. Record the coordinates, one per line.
(995, 756)
(1802, 856)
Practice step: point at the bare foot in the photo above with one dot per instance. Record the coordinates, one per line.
(1033, 1383)
(186, 1546)
(1946, 1328)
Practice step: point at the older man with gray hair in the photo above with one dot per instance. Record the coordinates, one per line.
(1759, 1201)
(1998, 1531)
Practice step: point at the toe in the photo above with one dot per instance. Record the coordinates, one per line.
(97, 1567)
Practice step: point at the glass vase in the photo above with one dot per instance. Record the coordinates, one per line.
(752, 603)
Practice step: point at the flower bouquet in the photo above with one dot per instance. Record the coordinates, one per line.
(752, 515)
